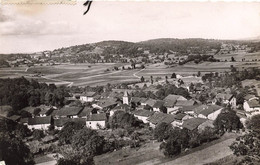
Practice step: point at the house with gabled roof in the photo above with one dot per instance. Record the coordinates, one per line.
(32, 110)
(42, 123)
(59, 123)
(106, 104)
(210, 112)
(120, 107)
(143, 115)
(193, 123)
(159, 117)
(97, 121)
(158, 104)
(252, 106)
(45, 110)
(170, 102)
(149, 102)
(69, 112)
(87, 97)
(226, 98)
(179, 119)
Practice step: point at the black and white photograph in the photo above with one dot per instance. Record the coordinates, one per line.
(132, 82)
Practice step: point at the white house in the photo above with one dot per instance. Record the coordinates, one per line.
(210, 112)
(179, 119)
(227, 99)
(252, 106)
(42, 123)
(143, 115)
(96, 121)
(87, 97)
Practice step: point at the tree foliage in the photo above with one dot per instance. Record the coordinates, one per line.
(248, 146)
(228, 121)
(124, 120)
(68, 131)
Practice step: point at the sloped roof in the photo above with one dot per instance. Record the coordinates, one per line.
(86, 111)
(14, 117)
(144, 113)
(179, 116)
(107, 103)
(193, 123)
(158, 104)
(206, 109)
(69, 111)
(150, 102)
(31, 110)
(44, 109)
(5, 110)
(174, 98)
(89, 94)
(248, 97)
(253, 103)
(60, 122)
(159, 117)
(39, 120)
(224, 96)
(97, 117)
(169, 103)
(185, 102)
(189, 108)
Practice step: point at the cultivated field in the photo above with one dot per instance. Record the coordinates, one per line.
(97, 74)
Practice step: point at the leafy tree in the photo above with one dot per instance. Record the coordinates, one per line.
(142, 79)
(254, 123)
(162, 131)
(124, 120)
(227, 121)
(69, 129)
(14, 151)
(199, 74)
(173, 75)
(171, 148)
(247, 146)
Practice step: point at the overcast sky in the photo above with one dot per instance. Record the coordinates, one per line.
(32, 28)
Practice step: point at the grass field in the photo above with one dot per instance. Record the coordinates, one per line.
(96, 74)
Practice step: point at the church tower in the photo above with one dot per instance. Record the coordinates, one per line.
(126, 98)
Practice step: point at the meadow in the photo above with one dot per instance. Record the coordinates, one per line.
(102, 73)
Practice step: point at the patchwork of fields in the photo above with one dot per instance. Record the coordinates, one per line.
(97, 74)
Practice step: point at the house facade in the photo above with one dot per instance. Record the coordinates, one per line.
(97, 121)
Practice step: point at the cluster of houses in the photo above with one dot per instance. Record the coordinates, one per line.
(173, 109)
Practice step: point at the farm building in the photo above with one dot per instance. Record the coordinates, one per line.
(97, 121)
(143, 115)
(87, 97)
(70, 112)
(42, 123)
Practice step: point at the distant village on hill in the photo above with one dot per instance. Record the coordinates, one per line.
(173, 115)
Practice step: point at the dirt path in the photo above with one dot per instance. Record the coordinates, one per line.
(207, 155)
(137, 73)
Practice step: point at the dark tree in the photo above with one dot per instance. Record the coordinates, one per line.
(227, 121)
(67, 132)
(162, 131)
(142, 79)
(173, 75)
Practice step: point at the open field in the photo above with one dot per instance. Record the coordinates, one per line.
(239, 56)
(97, 74)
